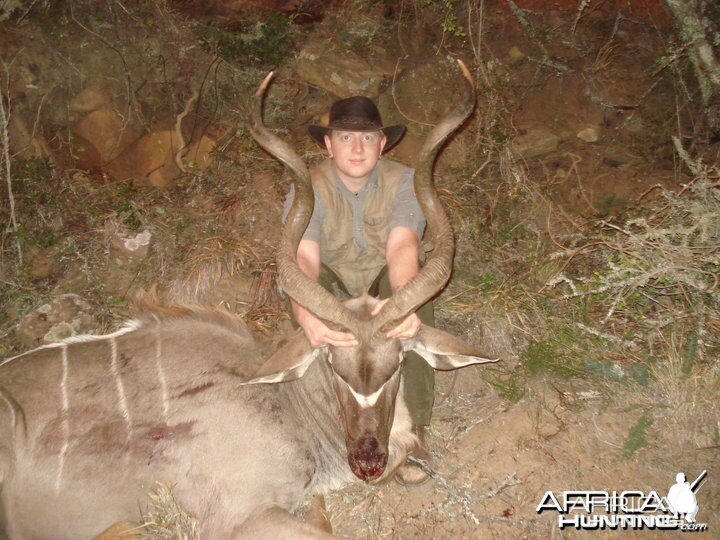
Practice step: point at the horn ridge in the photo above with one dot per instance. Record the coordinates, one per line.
(305, 291)
(434, 275)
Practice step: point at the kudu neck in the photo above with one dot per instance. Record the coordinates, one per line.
(316, 405)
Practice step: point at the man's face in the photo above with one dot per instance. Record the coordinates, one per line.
(355, 152)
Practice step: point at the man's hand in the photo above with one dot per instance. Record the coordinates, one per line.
(316, 331)
(406, 329)
(319, 335)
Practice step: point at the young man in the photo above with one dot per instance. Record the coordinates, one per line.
(365, 233)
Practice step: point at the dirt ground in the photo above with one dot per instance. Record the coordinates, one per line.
(494, 462)
(608, 379)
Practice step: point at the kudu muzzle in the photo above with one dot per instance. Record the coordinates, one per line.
(367, 461)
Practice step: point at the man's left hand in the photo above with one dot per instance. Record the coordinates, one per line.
(407, 329)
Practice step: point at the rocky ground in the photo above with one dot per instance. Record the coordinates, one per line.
(587, 241)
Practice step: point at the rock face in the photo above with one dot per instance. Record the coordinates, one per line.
(153, 157)
(99, 137)
(421, 94)
(535, 142)
(104, 137)
(589, 134)
(92, 98)
(339, 71)
(63, 317)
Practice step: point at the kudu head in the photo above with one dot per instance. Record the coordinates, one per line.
(367, 377)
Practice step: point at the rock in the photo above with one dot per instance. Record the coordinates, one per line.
(104, 139)
(128, 249)
(153, 157)
(127, 254)
(589, 134)
(100, 137)
(63, 317)
(617, 157)
(409, 148)
(515, 55)
(43, 263)
(535, 142)
(199, 154)
(424, 93)
(634, 124)
(75, 279)
(92, 98)
(25, 141)
(339, 71)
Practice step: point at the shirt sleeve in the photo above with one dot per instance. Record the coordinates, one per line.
(406, 211)
(314, 226)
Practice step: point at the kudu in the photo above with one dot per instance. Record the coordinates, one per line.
(87, 425)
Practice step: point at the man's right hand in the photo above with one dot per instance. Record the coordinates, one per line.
(319, 335)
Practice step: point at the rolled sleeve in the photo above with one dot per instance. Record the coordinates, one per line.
(314, 226)
(406, 211)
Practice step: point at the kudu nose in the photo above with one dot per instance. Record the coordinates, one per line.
(367, 461)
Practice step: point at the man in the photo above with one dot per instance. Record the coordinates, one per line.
(364, 234)
(682, 498)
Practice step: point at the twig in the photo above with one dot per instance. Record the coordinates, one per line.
(443, 399)
(492, 414)
(4, 121)
(178, 131)
(29, 9)
(510, 480)
(545, 60)
(694, 166)
(580, 12)
(458, 495)
(31, 137)
(455, 495)
(518, 12)
(607, 337)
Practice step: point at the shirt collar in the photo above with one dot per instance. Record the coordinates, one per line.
(372, 183)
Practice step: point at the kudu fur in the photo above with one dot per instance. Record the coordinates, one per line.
(89, 424)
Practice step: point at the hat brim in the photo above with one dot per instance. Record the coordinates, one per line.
(393, 134)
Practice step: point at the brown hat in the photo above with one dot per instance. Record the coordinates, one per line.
(356, 113)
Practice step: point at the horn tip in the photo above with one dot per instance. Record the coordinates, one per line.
(266, 81)
(465, 71)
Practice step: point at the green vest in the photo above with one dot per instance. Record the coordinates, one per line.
(357, 266)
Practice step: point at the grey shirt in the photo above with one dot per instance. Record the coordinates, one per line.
(406, 211)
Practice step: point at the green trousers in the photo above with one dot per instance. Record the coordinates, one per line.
(418, 376)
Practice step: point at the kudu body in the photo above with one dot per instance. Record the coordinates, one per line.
(88, 425)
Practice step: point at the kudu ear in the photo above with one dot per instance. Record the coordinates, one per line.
(443, 350)
(289, 362)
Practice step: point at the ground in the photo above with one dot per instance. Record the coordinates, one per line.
(587, 255)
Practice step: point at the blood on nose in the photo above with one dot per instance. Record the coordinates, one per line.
(367, 461)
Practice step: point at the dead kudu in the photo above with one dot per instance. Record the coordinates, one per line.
(89, 424)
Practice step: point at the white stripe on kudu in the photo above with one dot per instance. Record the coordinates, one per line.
(65, 411)
(161, 371)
